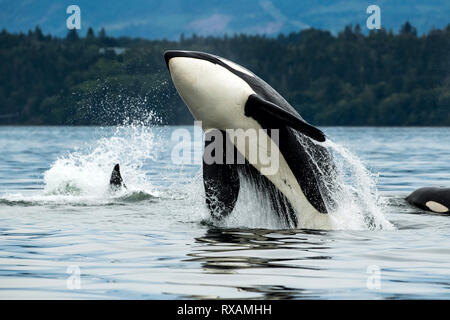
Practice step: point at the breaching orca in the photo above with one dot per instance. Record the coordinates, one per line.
(431, 199)
(224, 95)
(116, 181)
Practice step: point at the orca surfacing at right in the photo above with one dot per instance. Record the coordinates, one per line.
(431, 199)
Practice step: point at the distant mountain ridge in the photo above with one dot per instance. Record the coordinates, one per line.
(170, 18)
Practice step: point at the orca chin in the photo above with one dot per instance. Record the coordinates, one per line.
(224, 95)
(431, 199)
(116, 181)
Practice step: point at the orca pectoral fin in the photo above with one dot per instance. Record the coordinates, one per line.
(221, 181)
(256, 107)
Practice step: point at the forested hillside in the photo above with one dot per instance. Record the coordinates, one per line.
(349, 79)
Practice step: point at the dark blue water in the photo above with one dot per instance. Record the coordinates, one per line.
(63, 235)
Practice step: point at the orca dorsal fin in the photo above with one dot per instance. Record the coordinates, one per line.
(256, 107)
(116, 180)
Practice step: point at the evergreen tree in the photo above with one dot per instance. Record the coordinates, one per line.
(72, 35)
(90, 34)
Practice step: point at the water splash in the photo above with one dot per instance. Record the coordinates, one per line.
(349, 190)
(86, 172)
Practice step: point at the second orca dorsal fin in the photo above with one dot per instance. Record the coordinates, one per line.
(116, 180)
(257, 107)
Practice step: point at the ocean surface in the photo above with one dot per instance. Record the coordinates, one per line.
(65, 235)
